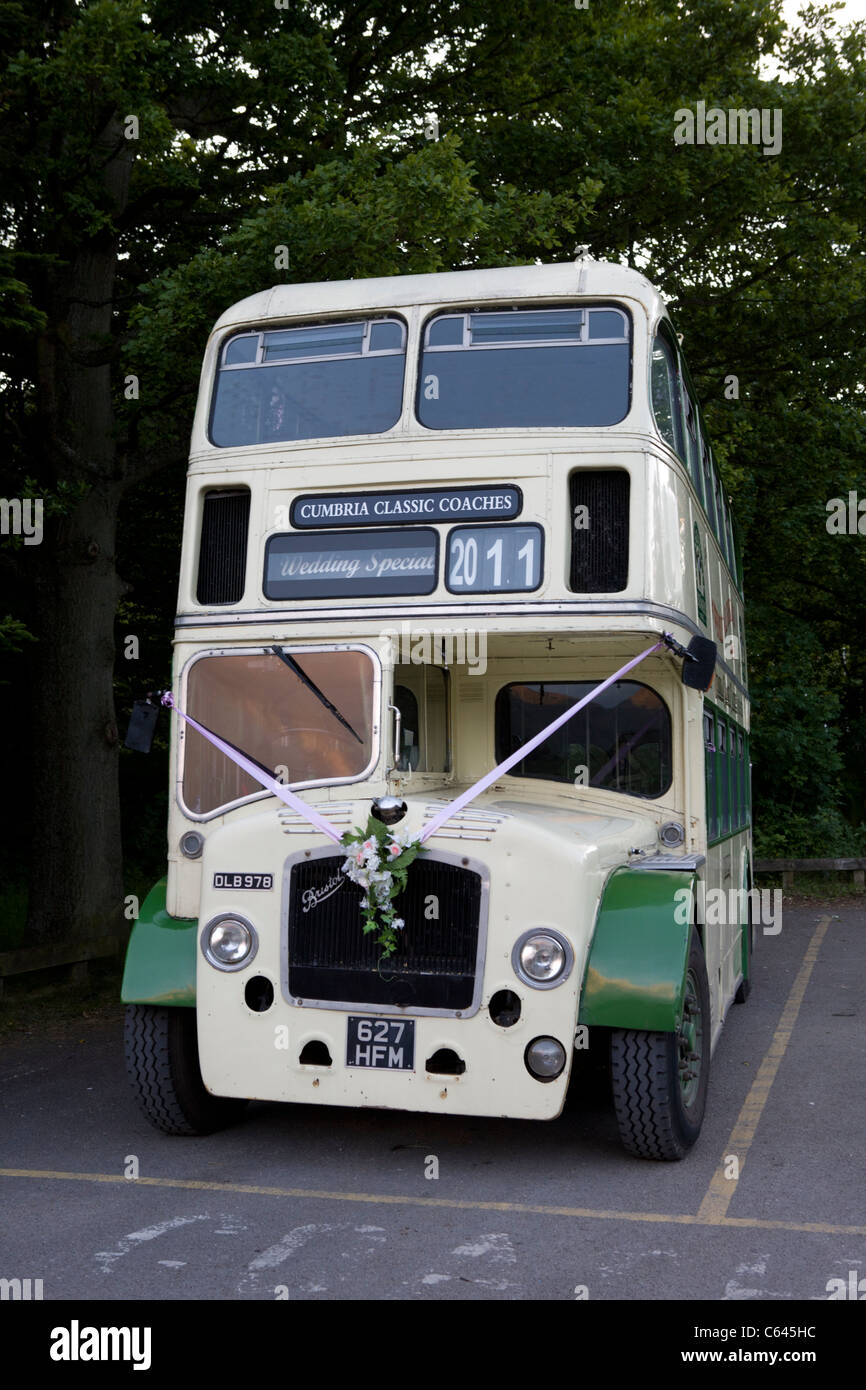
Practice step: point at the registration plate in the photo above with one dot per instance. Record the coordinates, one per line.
(383, 1043)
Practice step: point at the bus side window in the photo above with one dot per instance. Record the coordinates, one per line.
(421, 696)
(665, 395)
(732, 554)
(692, 441)
(708, 484)
(710, 757)
(725, 782)
(720, 514)
(408, 707)
(436, 716)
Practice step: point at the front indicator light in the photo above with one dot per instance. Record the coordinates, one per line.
(542, 958)
(229, 942)
(545, 1059)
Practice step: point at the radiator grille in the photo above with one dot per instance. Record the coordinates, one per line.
(222, 557)
(330, 958)
(599, 548)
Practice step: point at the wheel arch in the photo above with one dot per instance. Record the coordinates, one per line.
(161, 956)
(636, 969)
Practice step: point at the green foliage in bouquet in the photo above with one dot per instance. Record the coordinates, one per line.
(378, 861)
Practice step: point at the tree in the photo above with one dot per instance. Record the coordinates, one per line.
(154, 156)
(135, 138)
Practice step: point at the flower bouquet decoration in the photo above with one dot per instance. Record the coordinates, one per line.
(378, 861)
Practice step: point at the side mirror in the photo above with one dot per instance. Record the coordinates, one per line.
(699, 663)
(142, 726)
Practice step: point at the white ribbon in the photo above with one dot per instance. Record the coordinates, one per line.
(465, 797)
(269, 783)
(319, 823)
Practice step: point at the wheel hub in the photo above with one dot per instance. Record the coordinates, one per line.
(690, 1042)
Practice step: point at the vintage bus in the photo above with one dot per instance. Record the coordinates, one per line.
(426, 515)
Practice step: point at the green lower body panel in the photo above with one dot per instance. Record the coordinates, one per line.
(160, 957)
(637, 963)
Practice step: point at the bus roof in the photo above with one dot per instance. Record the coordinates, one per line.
(581, 277)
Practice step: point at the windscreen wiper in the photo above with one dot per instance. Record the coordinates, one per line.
(261, 766)
(311, 685)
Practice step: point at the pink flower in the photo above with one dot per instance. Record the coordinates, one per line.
(393, 849)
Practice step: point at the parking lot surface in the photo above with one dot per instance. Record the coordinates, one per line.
(312, 1203)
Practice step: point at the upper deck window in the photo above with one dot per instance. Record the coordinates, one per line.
(709, 474)
(693, 445)
(319, 381)
(666, 394)
(521, 368)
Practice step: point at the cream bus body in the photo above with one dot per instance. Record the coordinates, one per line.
(548, 855)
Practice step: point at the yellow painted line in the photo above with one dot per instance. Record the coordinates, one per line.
(713, 1210)
(388, 1199)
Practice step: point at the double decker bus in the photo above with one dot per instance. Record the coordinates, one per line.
(427, 515)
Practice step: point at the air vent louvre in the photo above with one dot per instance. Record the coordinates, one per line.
(222, 557)
(599, 531)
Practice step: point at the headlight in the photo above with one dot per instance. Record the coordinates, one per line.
(229, 942)
(542, 958)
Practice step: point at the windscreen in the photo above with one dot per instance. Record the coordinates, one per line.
(524, 368)
(318, 381)
(620, 741)
(305, 717)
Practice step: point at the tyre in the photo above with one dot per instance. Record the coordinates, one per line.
(161, 1047)
(659, 1080)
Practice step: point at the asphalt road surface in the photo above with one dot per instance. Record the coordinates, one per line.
(308, 1203)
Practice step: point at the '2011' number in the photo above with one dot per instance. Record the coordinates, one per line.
(464, 562)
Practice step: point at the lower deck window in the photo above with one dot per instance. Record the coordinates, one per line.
(710, 760)
(306, 718)
(421, 694)
(724, 789)
(620, 742)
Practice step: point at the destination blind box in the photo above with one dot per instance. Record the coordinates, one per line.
(498, 503)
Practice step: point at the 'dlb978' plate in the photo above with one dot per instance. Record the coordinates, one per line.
(383, 1043)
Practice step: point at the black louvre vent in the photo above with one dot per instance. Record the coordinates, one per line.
(222, 557)
(330, 958)
(599, 530)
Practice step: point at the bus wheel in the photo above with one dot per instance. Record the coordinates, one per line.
(162, 1063)
(660, 1079)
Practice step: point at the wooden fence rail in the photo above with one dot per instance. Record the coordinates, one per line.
(789, 867)
(30, 959)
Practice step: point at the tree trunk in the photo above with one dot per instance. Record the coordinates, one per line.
(76, 871)
(76, 884)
